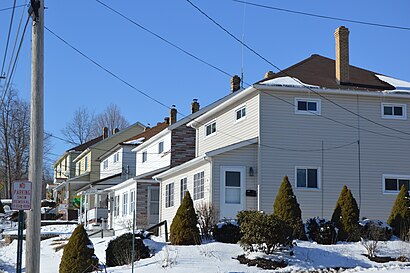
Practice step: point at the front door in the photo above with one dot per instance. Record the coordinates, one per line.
(232, 191)
(153, 206)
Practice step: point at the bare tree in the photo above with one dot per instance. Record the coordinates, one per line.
(111, 118)
(79, 130)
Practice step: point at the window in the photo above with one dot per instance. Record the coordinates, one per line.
(105, 164)
(240, 113)
(144, 156)
(85, 163)
(393, 183)
(210, 128)
(79, 167)
(161, 147)
(116, 205)
(307, 178)
(169, 195)
(394, 111)
(116, 157)
(132, 201)
(125, 203)
(232, 187)
(65, 164)
(199, 186)
(307, 106)
(184, 187)
(154, 204)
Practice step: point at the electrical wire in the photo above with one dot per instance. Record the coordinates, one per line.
(13, 7)
(323, 16)
(8, 39)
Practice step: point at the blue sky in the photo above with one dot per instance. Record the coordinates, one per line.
(176, 78)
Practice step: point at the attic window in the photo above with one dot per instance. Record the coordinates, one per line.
(394, 111)
(210, 128)
(307, 106)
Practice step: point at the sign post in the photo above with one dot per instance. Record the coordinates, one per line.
(21, 200)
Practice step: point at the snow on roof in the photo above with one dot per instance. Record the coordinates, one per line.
(288, 81)
(400, 85)
(135, 141)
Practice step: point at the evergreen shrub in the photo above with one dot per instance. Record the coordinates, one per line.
(321, 231)
(184, 230)
(227, 232)
(78, 255)
(399, 218)
(346, 217)
(286, 207)
(119, 250)
(263, 232)
(375, 230)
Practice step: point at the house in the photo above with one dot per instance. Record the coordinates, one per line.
(86, 168)
(322, 122)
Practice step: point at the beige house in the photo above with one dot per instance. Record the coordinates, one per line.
(322, 123)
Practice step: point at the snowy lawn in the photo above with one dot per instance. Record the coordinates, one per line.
(218, 257)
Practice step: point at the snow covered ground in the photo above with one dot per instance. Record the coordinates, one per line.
(218, 257)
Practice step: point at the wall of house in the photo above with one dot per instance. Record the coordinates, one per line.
(228, 129)
(113, 167)
(81, 167)
(182, 145)
(65, 167)
(242, 157)
(154, 160)
(169, 213)
(289, 140)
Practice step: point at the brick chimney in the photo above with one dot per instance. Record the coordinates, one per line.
(105, 132)
(269, 75)
(235, 83)
(194, 106)
(166, 120)
(342, 55)
(172, 115)
(114, 131)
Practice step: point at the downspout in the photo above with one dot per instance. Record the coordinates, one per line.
(211, 176)
(160, 204)
(259, 168)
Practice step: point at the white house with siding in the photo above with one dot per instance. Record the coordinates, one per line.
(322, 123)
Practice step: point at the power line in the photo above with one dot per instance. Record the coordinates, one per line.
(323, 16)
(299, 82)
(8, 39)
(13, 7)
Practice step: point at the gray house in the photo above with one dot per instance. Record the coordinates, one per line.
(323, 123)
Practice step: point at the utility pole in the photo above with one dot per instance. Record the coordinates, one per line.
(36, 137)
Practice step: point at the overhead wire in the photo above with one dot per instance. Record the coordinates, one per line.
(13, 7)
(296, 80)
(8, 39)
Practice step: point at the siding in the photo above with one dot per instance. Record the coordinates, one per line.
(125, 161)
(283, 131)
(228, 131)
(247, 157)
(169, 213)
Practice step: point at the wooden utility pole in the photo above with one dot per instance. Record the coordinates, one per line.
(36, 137)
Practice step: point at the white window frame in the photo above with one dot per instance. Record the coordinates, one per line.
(169, 195)
(306, 168)
(240, 109)
(124, 203)
(160, 147)
(199, 189)
(105, 164)
(85, 163)
(404, 106)
(308, 112)
(116, 157)
(392, 176)
(79, 167)
(144, 156)
(116, 205)
(183, 187)
(132, 201)
(207, 125)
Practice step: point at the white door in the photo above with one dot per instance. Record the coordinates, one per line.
(232, 191)
(153, 205)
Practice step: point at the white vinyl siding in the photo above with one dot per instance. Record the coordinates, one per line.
(394, 111)
(169, 195)
(307, 106)
(121, 160)
(198, 186)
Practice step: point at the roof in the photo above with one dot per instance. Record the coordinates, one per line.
(320, 71)
(85, 145)
(149, 132)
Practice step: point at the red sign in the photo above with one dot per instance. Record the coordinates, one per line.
(21, 196)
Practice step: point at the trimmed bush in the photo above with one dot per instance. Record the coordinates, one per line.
(262, 232)
(375, 230)
(346, 217)
(321, 231)
(78, 254)
(119, 250)
(184, 230)
(227, 232)
(399, 218)
(286, 207)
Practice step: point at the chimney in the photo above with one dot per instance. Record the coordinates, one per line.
(269, 75)
(172, 115)
(166, 120)
(342, 55)
(105, 132)
(114, 131)
(194, 106)
(235, 83)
